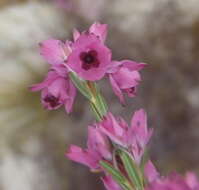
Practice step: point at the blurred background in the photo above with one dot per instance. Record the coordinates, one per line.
(162, 33)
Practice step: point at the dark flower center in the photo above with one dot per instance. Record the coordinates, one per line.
(89, 60)
(52, 100)
(131, 90)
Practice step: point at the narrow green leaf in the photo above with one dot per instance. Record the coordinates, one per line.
(104, 103)
(113, 171)
(97, 115)
(117, 176)
(99, 105)
(132, 170)
(100, 102)
(81, 85)
(92, 94)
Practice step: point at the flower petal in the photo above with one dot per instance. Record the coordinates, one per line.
(151, 172)
(110, 184)
(116, 89)
(99, 30)
(54, 51)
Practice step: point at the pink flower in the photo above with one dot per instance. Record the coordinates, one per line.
(192, 181)
(140, 132)
(116, 129)
(173, 182)
(56, 90)
(133, 138)
(99, 30)
(86, 157)
(110, 184)
(55, 51)
(124, 77)
(98, 148)
(150, 172)
(89, 58)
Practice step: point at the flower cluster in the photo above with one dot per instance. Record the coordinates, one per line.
(113, 147)
(112, 134)
(108, 136)
(174, 181)
(89, 57)
(111, 130)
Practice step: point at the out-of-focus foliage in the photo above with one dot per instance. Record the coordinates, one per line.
(164, 34)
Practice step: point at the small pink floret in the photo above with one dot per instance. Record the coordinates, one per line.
(98, 148)
(124, 77)
(89, 58)
(56, 90)
(134, 138)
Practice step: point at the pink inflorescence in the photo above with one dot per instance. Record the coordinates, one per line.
(112, 142)
(111, 133)
(102, 136)
(88, 56)
(173, 181)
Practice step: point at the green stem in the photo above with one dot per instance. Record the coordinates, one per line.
(90, 91)
(97, 101)
(96, 112)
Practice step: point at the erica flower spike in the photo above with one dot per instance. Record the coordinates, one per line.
(114, 147)
(90, 59)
